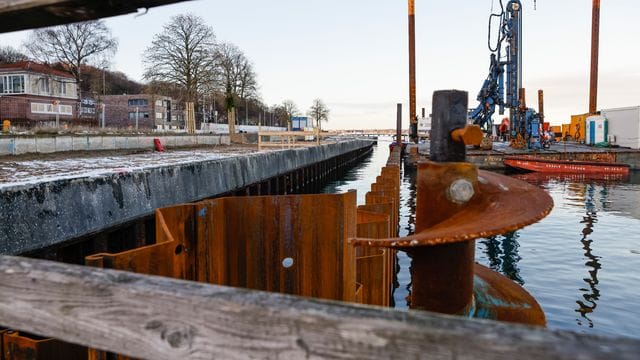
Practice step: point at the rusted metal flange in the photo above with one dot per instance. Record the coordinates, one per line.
(457, 202)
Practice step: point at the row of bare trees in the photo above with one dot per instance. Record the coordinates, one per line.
(184, 61)
(187, 54)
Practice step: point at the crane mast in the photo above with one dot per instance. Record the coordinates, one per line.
(524, 122)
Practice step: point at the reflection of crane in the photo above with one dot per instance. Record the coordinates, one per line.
(524, 122)
(591, 295)
(503, 255)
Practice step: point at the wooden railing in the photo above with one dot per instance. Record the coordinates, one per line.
(289, 139)
(162, 318)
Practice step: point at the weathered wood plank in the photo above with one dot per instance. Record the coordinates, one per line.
(28, 14)
(162, 318)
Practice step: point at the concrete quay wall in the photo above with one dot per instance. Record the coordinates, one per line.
(33, 217)
(16, 145)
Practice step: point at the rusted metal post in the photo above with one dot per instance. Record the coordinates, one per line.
(449, 113)
(541, 105)
(442, 276)
(522, 97)
(595, 44)
(399, 125)
(413, 124)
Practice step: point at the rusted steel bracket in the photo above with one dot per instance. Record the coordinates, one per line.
(19, 346)
(469, 135)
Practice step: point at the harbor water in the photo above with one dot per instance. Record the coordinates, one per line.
(582, 262)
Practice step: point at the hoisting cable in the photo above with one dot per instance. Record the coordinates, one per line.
(500, 33)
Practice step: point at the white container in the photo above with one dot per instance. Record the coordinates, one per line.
(624, 124)
(596, 130)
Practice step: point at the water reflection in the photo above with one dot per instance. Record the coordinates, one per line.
(591, 294)
(408, 223)
(503, 256)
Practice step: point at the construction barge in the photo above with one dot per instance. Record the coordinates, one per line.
(494, 159)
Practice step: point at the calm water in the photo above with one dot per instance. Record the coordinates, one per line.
(582, 262)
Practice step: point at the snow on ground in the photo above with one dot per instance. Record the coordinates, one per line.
(14, 173)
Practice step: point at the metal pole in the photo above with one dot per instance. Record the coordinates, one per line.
(541, 105)
(449, 113)
(595, 44)
(436, 268)
(399, 125)
(412, 72)
(137, 112)
(103, 115)
(246, 113)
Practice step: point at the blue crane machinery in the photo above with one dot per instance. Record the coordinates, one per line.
(524, 122)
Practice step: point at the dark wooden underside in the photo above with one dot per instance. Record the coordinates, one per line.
(29, 14)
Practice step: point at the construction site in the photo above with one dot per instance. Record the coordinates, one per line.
(451, 236)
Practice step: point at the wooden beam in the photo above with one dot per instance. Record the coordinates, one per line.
(162, 318)
(29, 14)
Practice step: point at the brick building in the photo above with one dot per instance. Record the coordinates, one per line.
(151, 111)
(34, 94)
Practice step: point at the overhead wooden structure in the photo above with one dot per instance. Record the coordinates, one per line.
(29, 14)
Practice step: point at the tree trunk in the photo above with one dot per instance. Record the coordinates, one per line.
(231, 116)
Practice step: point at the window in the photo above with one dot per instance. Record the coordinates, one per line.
(141, 115)
(44, 85)
(62, 88)
(138, 102)
(12, 84)
(44, 108)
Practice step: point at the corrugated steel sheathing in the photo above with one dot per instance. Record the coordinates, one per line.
(294, 244)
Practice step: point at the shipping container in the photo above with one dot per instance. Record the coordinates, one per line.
(624, 126)
(298, 123)
(565, 130)
(596, 130)
(556, 130)
(577, 128)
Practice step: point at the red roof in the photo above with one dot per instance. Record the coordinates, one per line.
(34, 67)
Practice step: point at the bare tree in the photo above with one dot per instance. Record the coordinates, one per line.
(318, 112)
(182, 54)
(290, 109)
(237, 72)
(280, 115)
(72, 45)
(9, 55)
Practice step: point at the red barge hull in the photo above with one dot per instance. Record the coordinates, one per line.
(565, 166)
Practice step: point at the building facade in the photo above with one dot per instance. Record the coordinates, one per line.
(146, 110)
(33, 94)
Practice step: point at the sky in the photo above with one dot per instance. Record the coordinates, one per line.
(353, 54)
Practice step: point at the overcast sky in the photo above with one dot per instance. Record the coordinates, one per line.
(353, 53)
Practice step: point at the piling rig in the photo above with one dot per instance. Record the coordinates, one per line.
(524, 122)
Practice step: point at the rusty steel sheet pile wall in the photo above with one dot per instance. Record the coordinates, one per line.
(293, 244)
